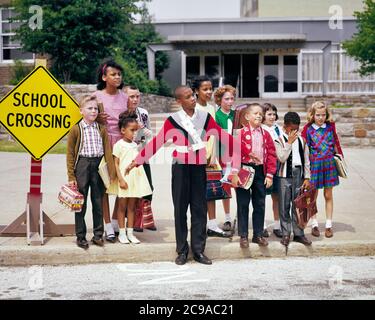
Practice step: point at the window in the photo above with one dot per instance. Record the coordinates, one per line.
(11, 48)
(192, 68)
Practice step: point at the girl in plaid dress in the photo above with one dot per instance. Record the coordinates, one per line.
(321, 137)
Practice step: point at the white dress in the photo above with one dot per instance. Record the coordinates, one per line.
(137, 181)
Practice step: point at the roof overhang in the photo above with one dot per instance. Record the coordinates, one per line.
(238, 38)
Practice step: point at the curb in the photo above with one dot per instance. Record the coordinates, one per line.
(68, 253)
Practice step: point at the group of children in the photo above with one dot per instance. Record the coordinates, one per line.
(283, 160)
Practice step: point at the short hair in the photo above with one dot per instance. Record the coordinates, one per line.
(312, 110)
(125, 118)
(267, 107)
(177, 91)
(292, 117)
(197, 82)
(244, 111)
(218, 95)
(86, 99)
(130, 87)
(102, 70)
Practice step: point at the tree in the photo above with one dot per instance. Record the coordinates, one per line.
(76, 34)
(362, 46)
(139, 36)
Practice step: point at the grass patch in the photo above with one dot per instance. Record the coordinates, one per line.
(14, 146)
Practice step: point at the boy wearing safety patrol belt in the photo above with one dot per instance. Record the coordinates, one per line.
(189, 129)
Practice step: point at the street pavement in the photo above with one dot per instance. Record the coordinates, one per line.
(319, 278)
(353, 219)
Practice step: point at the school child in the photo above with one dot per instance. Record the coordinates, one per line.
(321, 137)
(144, 135)
(202, 87)
(87, 143)
(189, 128)
(258, 152)
(129, 187)
(224, 97)
(269, 124)
(114, 102)
(293, 174)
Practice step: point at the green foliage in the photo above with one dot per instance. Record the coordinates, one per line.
(19, 71)
(362, 45)
(77, 34)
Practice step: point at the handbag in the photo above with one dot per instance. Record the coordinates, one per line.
(305, 205)
(215, 189)
(144, 217)
(104, 173)
(341, 166)
(71, 198)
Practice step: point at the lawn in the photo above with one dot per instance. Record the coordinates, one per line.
(14, 146)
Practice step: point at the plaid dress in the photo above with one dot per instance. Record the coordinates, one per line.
(321, 143)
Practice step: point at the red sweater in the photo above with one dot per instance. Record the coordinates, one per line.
(172, 130)
(269, 151)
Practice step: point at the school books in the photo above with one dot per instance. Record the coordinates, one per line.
(245, 175)
(341, 166)
(104, 173)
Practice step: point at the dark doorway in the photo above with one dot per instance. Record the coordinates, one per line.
(250, 75)
(232, 70)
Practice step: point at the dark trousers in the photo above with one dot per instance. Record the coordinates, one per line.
(87, 176)
(257, 194)
(288, 191)
(146, 167)
(189, 188)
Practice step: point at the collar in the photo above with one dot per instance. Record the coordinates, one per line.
(185, 115)
(86, 125)
(225, 113)
(258, 129)
(316, 127)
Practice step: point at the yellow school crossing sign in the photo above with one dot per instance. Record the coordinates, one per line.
(38, 112)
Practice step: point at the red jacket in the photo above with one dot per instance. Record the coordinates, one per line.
(269, 151)
(335, 136)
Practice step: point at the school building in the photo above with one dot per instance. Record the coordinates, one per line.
(272, 49)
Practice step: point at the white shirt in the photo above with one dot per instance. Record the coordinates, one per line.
(296, 158)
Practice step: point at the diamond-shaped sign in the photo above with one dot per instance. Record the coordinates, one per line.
(38, 112)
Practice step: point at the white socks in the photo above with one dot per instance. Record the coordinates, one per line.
(228, 218)
(115, 225)
(109, 230)
(314, 223)
(131, 236)
(328, 223)
(122, 236)
(276, 225)
(212, 225)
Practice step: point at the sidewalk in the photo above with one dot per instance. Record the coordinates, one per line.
(354, 218)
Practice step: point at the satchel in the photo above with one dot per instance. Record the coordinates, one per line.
(305, 205)
(216, 190)
(341, 166)
(104, 173)
(71, 198)
(144, 217)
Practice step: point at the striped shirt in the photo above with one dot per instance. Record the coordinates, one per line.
(257, 143)
(92, 144)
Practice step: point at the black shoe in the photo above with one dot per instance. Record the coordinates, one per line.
(117, 233)
(227, 226)
(277, 233)
(151, 228)
(98, 241)
(303, 240)
(138, 229)
(260, 241)
(265, 233)
(181, 259)
(201, 258)
(82, 243)
(111, 238)
(212, 233)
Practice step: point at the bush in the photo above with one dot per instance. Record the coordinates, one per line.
(19, 71)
